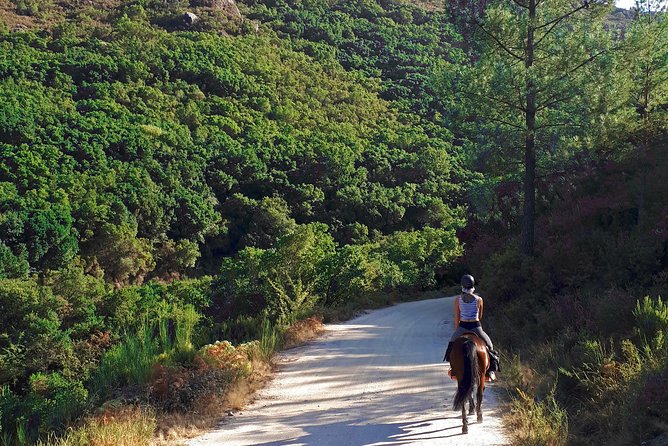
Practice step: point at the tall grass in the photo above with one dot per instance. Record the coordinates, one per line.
(651, 319)
(135, 428)
(127, 363)
(186, 319)
(538, 423)
(270, 340)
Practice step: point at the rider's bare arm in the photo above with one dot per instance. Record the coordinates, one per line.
(456, 313)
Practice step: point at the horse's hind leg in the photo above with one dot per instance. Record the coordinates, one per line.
(465, 422)
(481, 390)
(471, 405)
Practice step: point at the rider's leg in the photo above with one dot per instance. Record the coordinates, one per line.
(458, 332)
(493, 356)
(481, 333)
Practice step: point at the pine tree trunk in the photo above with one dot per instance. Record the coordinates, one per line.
(529, 211)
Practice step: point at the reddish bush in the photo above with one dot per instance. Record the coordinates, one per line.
(303, 331)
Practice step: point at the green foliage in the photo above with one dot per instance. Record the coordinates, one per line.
(652, 320)
(644, 72)
(148, 153)
(30, 333)
(11, 265)
(185, 319)
(538, 423)
(419, 255)
(295, 271)
(132, 158)
(353, 271)
(51, 403)
(127, 363)
(32, 7)
(307, 268)
(397, 42)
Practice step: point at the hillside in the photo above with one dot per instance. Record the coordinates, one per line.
(182, 195)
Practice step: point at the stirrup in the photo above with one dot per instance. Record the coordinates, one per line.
(491, 376)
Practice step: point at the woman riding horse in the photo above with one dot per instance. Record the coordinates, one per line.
(468, 312)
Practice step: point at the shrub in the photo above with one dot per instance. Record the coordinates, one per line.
(303, 331)
(177, 388)
(222, 355)
(352, 271)
(417, 255)
(13, 266)
(538, 423)
(651, 318)
(127, 427)
(51, 403)
(128, 362)
(296, 274)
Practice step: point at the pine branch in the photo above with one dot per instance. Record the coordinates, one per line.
(495, 99)
(556, 22)
(501, 121)
(521, 5)
(574, 69)
(499, 42)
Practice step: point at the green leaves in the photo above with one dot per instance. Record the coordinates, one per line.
(306, 268)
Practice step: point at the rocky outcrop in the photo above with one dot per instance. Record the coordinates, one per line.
(228, 6)
(189, 19)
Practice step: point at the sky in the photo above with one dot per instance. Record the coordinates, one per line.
(626, 4)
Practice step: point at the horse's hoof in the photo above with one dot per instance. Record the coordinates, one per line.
(480, 419)
(465, 431)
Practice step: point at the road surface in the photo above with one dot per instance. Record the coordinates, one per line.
(375, 380)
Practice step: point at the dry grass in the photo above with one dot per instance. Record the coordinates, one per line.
(123, 426)
(303, 331)
(88, 13)
(131, 426)
(208, 412)
(429, 5)
(15, 21)
(537, 423)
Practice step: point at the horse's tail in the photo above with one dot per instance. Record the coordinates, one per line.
(471, 376)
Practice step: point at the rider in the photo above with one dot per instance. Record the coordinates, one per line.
(468, 312)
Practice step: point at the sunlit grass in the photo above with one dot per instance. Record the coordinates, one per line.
(131, 427)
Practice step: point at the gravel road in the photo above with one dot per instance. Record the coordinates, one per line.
(375, 380)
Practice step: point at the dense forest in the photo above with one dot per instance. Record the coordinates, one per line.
(184, 183)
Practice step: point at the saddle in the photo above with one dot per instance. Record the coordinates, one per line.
(494, 364)
(493, 359)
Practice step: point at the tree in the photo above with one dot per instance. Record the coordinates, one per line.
(645, 62)
(534, 80)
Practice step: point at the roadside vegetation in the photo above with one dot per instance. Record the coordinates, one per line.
(179, 200)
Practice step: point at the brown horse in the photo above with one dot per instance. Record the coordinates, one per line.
(468, 363)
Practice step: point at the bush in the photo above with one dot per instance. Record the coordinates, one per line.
(31, 337)
(415, 256)
(127, 363)
(13, 266)
(126, 427)
(538, 423)
(651, 318)
(50, 405)
(222, 355)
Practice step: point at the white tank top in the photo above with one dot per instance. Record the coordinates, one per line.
(468, 311)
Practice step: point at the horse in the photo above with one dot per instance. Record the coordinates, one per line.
(468, 363)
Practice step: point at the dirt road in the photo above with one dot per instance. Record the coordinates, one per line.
(375, 380)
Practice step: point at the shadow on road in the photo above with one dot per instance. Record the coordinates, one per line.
(367, 434)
